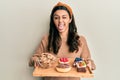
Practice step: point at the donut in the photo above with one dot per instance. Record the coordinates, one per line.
(63, 67)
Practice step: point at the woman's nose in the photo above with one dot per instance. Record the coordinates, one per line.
(60, 20)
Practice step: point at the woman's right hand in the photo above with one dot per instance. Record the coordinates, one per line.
(35, 61)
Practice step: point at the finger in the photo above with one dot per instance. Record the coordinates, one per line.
(93, 67)
(35, 65)
(87, 60)
(89, 65)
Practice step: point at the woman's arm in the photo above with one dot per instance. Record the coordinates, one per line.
(42, 48)
(86, 53)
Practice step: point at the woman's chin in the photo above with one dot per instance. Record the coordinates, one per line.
(61, 30)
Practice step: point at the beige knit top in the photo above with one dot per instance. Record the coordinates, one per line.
(64, 52)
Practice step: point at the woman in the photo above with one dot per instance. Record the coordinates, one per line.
(63, 40)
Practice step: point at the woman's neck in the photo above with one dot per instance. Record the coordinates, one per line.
(64, 36)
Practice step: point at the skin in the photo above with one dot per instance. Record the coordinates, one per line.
(61, 19)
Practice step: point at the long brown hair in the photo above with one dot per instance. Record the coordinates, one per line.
(54, 39)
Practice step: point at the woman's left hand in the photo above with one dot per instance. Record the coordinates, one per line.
(90, 63)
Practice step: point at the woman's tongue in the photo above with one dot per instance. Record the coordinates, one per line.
(61, 26)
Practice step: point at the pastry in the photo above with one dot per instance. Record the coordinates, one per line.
(80, 64)
(63, 60)
(46, 60)
(77, 59)
(63, 67)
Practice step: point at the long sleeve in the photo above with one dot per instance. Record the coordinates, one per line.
(86, 54)
(42, 48)
(85, 51)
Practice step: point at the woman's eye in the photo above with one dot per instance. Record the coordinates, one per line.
(64, 17)
(55, 17)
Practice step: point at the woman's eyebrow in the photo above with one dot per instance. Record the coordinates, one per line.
(64, 15)
(58, 15)
(55, 15)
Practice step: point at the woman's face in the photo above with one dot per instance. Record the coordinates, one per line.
(61, 19)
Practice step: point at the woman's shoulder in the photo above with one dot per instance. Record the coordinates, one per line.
(45, 37)
(82, 39)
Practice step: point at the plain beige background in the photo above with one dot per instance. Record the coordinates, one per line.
(24, 22)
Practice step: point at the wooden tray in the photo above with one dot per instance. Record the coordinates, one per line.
(40, 72)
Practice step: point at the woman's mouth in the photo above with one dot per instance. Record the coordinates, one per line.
(60, 27)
